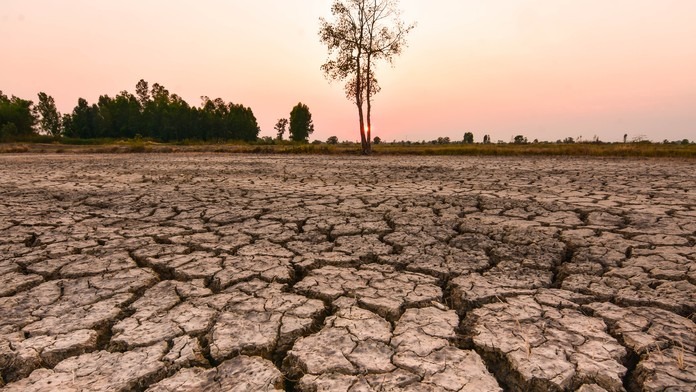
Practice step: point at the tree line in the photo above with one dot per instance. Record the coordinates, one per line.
(149, 113)
(17, 118)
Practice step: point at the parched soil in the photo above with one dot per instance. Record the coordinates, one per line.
(186, 272)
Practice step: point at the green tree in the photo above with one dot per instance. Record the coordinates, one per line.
(66, 123)
(18, 112)
(118, 117)
(223, 121)
(82, 121)
(377, 140)
(468, 138)
(158, 114)
(142, 90)
(362, 33)
(280, 127)
(332, 140)
(104, 118)
(49, 118)
(242, 123)
(8, 131)
(519, 139)
(301, 125)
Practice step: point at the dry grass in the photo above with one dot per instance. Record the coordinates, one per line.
(545, 149)
(680, 357)
(539, 149)
(14, 149)
(527, 346)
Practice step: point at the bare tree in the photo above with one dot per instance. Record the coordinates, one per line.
(363, 33)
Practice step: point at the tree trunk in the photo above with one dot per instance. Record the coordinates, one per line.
(359, 101)
(367, 149)
(363, 141)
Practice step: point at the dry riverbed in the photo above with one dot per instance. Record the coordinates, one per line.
(186, 272)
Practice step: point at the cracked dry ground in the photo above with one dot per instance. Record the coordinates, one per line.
(257, 273)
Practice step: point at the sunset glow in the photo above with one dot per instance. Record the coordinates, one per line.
(547, 69)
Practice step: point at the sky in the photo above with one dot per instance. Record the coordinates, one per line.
(545, 69)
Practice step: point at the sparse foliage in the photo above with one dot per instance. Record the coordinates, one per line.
(142, 90)
(640, 139)
(280, 128)
(362, 33)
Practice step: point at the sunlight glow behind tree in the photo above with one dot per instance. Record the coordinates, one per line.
(363, 32)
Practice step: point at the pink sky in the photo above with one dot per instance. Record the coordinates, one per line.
(546, 69)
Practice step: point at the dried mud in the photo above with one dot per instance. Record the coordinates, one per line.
(194, 272)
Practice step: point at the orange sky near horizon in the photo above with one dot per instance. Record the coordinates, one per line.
(547, 69)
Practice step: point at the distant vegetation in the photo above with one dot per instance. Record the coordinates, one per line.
(268, 145)
(17, 119)
(154, 120)
(677, 149)
(150, 113)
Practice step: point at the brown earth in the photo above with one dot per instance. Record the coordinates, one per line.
(186, 272)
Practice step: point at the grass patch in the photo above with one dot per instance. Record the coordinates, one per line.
(41, 144)
(14, 149)
(576, 149)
